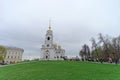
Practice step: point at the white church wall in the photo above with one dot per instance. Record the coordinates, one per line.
(49, 50)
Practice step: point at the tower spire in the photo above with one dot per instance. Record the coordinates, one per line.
(49, 24)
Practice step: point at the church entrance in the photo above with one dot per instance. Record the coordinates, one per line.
(47, 55)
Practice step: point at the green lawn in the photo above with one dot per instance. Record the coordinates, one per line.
(60, 70)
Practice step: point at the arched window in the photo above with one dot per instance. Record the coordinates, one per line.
(48, 38)
(47, 50)
(47, 45)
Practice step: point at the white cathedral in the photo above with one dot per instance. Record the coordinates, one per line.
(49, 50)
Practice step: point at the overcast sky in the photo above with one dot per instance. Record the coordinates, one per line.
(23, 23)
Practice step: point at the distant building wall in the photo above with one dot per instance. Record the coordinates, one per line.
(13, 55)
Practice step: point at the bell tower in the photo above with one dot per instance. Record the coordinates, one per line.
(49, 37)
(49, 50)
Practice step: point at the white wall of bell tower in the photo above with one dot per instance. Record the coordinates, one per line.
(49, 37)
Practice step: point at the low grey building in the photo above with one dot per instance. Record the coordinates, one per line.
(13, 55)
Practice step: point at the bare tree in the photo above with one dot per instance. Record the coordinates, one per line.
(105, 41)
(106, 48)
(116, 47)
(85, 52)
(94, 47)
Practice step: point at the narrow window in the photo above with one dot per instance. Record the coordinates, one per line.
(48, 38)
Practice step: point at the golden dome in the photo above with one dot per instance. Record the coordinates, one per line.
(55, 44)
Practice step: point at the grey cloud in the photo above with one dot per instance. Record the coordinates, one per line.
(23, 23)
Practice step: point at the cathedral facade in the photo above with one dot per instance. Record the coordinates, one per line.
(49, 50)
